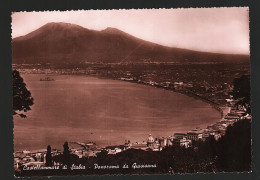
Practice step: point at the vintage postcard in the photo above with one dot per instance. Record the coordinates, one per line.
(140, 91)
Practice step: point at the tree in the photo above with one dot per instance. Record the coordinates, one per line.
(66, 154)
(48, 156)
(103, 154)
(241, 89)
(235, 145)
(22, 99)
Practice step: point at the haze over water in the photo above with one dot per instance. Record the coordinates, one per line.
(83, 109)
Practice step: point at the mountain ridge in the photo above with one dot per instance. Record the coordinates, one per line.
(70, 43)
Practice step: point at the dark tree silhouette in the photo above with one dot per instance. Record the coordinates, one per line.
(235, 153)
(66, 154)
(241, 89)
(48, 156)
(102, 154)
(22, 99)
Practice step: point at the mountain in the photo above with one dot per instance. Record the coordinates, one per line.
(69, 43)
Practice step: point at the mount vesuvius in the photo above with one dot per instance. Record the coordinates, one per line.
(69, 43)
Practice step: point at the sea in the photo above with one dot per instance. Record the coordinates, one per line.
(89, 109)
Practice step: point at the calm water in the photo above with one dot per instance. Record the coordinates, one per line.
(79, 108)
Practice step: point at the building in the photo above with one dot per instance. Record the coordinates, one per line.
(182, 142)
(205, 135)
(194, 135)
(217, 136)
(163, 142)
(150, 142)
(115, 149)
(169, 142)
(139, 146)
(232, 116)
(179, 135)
(90, 153)
(79, 153)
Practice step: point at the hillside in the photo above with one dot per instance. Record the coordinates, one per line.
(64, 42)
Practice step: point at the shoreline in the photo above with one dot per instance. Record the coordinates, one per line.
(192, 95)
(213, 105)
(189, 94)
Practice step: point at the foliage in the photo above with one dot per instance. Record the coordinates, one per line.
(49, 157)
(66, 154)
(22, 99)
(235, 148)
(241, 89)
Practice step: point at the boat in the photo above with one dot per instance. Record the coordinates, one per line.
(47, 79)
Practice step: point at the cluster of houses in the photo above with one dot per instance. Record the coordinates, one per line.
(217, 130)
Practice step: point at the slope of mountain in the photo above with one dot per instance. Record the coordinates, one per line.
(69, 43)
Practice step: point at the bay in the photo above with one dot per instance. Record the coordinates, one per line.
(108, 112)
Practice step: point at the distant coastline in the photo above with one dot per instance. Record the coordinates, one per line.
(213, 104)
(189, 94)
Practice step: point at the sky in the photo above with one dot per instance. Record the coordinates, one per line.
(222, 30)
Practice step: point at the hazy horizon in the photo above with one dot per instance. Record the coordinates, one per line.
(217, 30)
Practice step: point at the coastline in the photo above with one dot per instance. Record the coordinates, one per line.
(192, 95)
(189, 94)
(213, 105)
